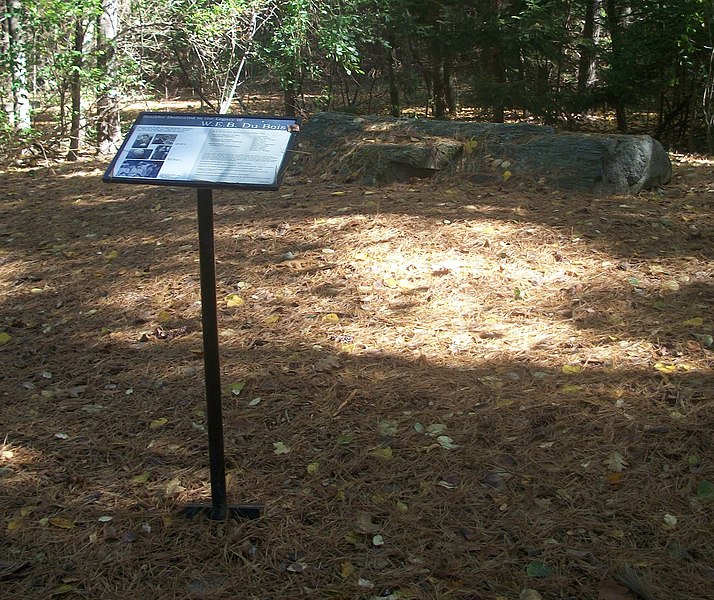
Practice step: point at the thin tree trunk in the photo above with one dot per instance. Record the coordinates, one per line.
(16, 97)
(108, 115)
(616, 92)
(391, 74)
(587, 65)
(75, 85)
(437, 78)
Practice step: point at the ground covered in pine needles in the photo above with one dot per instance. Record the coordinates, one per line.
(435, 390)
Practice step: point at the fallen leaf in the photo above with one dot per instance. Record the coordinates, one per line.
(234, 301)
(615, 462)
(365, 525)
(365, 583)
(694, 322)
(105, 519)
(387, 428)
(446, 442)
(312, 467)
(297, 567)
(506, 174)
(237, 388)
(705, 489)
(571, 369)
(14, 524)
(529, 595)
(538, 569)
(173, 487)
(272, 319)
(665, 368)
(156, 423)
(143, 478)
(614, 478)
(338, 193)
(670, 520)
(4, 338)
(385, 453)
(61, 522)
(346, 570)
(378, 540)
(280, 448)
(330, 318)
(112, 255)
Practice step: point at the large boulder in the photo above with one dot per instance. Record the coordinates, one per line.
(375, 150)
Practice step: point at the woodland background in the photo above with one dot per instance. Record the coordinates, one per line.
(73, 64)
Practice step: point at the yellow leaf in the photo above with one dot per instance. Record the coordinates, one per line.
(156, 423)
(614, 478)
(164, 316)
(4, 338)
(338, 193)
(234, 300)
(166, 520)
(390, 282)
(571, 369)
(346, 570)
(14, 524)
(312, 467)
(570, 389)
(665, 368)
(385, 453)
(507, 175)
(330, 318)
(272, 319)
(61, 522)
(694, 321)
(143, 478)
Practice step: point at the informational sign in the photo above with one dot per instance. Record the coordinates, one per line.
(205, 151)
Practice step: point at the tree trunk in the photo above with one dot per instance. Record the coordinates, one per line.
(15, 95)
(587, 65)
(75, 85)
(437, 78)
(391, 74)
(108, 116)
(616, 92)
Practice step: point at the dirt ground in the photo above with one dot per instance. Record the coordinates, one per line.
(436, 390)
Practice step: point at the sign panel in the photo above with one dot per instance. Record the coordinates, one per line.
(205, 151)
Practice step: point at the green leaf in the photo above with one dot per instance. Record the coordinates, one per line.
(237, 388)
(705, 489)
(280, 448)
(344, 439)
(387, 428)
(538, 569)
(4, 338)
(446, 442)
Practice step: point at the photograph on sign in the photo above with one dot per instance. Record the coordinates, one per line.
(204, 150)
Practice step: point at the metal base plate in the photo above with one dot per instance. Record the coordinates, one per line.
(240, 511)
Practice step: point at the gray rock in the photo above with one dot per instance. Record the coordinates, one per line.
(375, 150)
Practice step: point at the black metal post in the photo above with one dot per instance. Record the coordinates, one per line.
(219, 509)
(211, 361)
